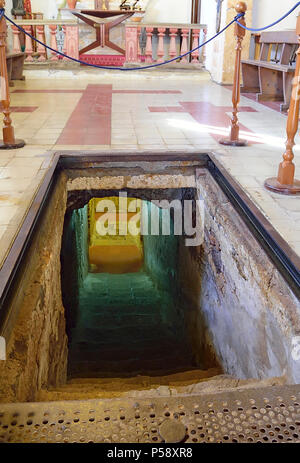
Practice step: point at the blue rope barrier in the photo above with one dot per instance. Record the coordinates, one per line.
(118, 68)
(235, 20)
(250, 29)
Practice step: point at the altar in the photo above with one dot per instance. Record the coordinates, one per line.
(102, 31)
(103, 28)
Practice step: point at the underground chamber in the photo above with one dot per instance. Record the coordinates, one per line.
(121, 291)
(90, 316)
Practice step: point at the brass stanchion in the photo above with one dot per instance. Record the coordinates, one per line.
(9, 141)
(240, 33)
(285, 182)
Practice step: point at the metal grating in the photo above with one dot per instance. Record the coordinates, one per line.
(254, 415)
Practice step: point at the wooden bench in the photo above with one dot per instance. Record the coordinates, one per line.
(271, 75)
(15, 66)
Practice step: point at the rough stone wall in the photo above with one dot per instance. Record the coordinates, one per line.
(238, 302)
(82, 232)
(161, 263)
(74, 263)
(160, 251)
(37, 348)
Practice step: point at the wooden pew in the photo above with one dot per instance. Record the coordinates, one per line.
(271, 75)
(15, 66)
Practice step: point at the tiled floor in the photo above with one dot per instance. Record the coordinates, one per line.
(157, 111)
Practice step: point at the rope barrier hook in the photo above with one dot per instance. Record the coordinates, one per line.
(9, 140)
(240, 33)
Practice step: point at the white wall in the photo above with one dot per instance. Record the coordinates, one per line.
(175, 11)
(214, 56)
(47, 7)
(268, 11)
(8, 7)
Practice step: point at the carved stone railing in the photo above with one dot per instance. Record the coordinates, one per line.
(145, 43)
(151, 43)
(59, 35)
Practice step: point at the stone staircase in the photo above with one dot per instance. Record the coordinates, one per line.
(194, 382)
(126, 326)
(129, 342)
(97, 388)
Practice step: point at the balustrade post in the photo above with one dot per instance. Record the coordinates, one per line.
(285, 182)
(203, 55)
(240, 33)
(64, 50)
(53, 41)
(41, 37)
(172, 49)
(160, 46)
(28, 44)
(139, 29)
(149, 31)
(16, 39)
(71, 43)
(195, 54)
(9, 140)
(184, 45)
(131, 44)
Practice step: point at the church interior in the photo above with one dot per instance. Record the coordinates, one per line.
(149, 221)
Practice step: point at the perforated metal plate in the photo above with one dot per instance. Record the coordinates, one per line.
(257, 415)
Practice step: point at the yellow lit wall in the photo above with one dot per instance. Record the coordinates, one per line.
(117, 251)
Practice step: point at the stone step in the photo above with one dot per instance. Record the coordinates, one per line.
(138, 382)
(116, 353)
(120, 328)
(146, 386)
(127, 310)
(119, 285)
(198, 382)
(107, 291)
(122, 350)
(118, 320)
(137, 281)
(105, 334)
(129, 367)
(100, 301)
(138, 344)
(126, 306)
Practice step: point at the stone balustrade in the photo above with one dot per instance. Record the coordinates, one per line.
(144, 43)
(155, 43)
(59, 35)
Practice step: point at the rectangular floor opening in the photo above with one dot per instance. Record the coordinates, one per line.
(96, 315)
